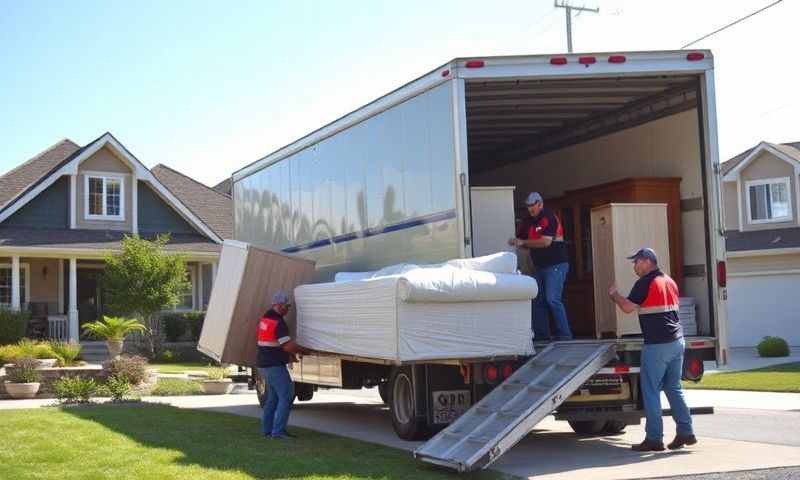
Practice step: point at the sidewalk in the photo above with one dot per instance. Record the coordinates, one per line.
(747, 359)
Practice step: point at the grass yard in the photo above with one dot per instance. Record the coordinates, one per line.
(778, 378)
(182, 367)
(157, 441)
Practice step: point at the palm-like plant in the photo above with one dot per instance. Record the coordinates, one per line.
(113, 329)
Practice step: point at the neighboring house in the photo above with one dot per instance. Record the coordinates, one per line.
(63, 210)
(761, 210)
(224, 186)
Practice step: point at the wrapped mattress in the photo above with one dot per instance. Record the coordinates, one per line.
(409, 312)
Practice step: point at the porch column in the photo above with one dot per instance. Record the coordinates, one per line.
(61, 305)
(213, 273)
(73, 300)
(15, 290)
(200, 285)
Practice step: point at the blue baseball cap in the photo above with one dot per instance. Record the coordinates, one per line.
(280, 297)
(645, 253)
(533, 198)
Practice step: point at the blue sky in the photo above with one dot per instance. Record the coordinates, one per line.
(207, 87)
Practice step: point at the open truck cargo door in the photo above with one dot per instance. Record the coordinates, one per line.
(246, 278)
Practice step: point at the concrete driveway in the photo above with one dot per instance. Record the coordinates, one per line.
(733, 439)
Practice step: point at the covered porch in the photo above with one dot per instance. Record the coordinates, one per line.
(63, 290)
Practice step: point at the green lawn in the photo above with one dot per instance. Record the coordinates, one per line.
(180, 367)
(157, 441)
(778, 378)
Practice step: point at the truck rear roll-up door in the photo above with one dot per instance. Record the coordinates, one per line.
(502, 418)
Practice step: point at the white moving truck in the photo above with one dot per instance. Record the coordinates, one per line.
(391, 182)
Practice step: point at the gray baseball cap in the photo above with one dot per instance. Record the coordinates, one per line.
(280, 297)
(533, 197)
(645, 252)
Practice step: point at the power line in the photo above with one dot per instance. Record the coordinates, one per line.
(732, 24)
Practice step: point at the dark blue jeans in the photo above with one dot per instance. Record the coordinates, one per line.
(280, 397)
(551, 287)
(662, 365)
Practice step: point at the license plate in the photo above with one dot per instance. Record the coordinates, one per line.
(450, 404)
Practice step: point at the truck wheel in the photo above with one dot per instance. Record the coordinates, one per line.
(401, 406)
(383, 391)
(614, 427)
(261, 388)
(303, 391)
(587, 427)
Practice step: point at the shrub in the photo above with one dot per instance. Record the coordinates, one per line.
(29, 348)
(8, 353)
(131, 368)
(167, 356)
(24, 371)
(67, 353)
(216, 373)
(773, 347)
(167, 387)
(113, 329)
(12, 325)
(174, 325)
(195, 322)
(74, 389)
(118, 388)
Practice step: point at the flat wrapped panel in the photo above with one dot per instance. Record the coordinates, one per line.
(246, 278)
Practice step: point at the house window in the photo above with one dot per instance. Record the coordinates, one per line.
(104, 197)
(769, 200)
(5, 285)
(186, 301)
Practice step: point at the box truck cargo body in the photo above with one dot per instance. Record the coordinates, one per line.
(391, 183)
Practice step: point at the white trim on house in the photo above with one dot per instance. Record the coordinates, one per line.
(73, 202)
(87, 176)
(27, 268)
(135, 204)
(89, 254)
(739, 211)
(763, 273)
(136, 166)
(761, 147)
(769, 181)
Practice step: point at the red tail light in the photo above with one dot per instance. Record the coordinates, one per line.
(474, 64)
(446, 73)
(507, 370)
(695, 56)
(491, 373)
(622, 369)
(587, 60)
(616, 59)
(722, 274)
(558, 61)
(693, 369)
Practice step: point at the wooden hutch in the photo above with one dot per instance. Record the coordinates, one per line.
(574, 209)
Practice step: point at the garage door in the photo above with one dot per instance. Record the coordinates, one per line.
(763, 305)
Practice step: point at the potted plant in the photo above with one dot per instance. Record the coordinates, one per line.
(216, 383)
(23, 378)
(114, 330)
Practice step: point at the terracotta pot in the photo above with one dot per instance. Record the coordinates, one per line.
(217, 387)
(22, 390)
(114, 348)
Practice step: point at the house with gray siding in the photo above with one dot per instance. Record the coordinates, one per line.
(63, 210)
(761, 212)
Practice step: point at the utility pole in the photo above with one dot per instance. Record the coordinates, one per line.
(569, 8)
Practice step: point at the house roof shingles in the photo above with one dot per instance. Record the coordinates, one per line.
(95, 239)
(16, 181)
(213, 208)
(224, 186)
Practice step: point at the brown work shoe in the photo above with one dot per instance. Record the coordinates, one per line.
(648, 446)
(681, 441)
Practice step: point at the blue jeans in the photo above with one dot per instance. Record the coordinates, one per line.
(662, 365)
(280, 397)
(551, 286)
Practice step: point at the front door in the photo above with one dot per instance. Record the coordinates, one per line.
(90, 306)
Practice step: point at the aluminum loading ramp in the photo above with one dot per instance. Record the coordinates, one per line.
(502, 418)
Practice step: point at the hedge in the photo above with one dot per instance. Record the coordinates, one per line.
(12, 325)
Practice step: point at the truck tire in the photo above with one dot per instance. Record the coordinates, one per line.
(587, 427)
(303, 391)
(383, 391)
(261, 388)
(401, 406)
(614, 427)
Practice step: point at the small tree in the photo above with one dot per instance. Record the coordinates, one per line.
(142, 280)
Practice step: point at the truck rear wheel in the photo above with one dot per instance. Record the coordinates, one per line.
(303, 391)
(614, 427)
(587, 427)
(402, 406)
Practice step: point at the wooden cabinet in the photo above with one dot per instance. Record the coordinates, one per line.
(618, 230)
(574, 209)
